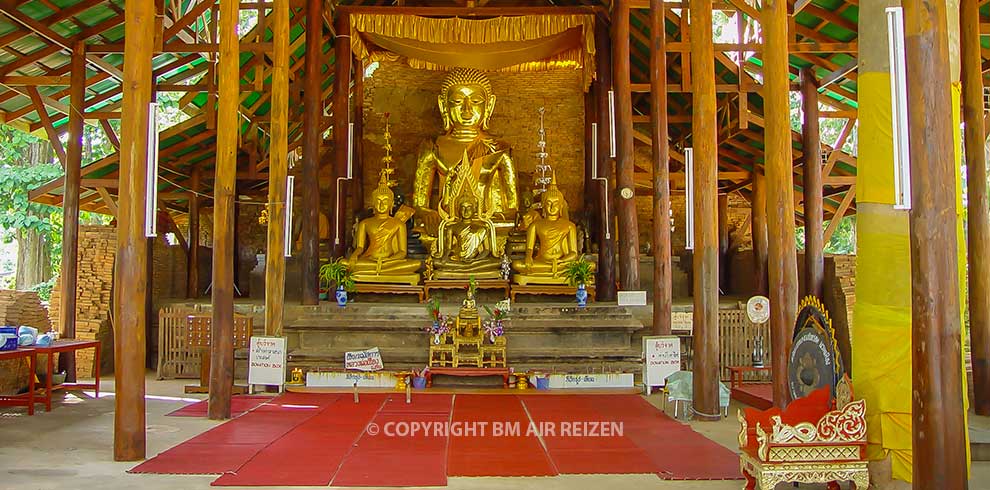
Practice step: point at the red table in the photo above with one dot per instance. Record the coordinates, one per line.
(68, 345)
(468, 371)
(26, 399)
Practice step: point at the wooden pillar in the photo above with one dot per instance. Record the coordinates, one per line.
(624, 157)
(979, 206)
(939, 428)
(70, 205)
(705, 143)
(780, 194)
(341, 119)
(312, 140)
(662, 272)
(814, 246)
(192, 263)
(723, 243)
(278, 168)
(605, 277)
(224, 184)
(130, 271)
(759, 231)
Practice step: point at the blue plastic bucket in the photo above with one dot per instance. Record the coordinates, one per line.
(542, 383)
(8, 338)
(419, 382)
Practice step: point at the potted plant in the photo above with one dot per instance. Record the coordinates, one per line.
(579, 273)
(336, 273)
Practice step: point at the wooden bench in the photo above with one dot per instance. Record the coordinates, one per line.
(463, 284)
(471, 371)
(380, 288)
(555, 289)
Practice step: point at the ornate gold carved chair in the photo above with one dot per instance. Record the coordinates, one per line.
(814, 440)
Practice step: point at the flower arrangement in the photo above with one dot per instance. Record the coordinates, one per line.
(441, 324)
(495, 326)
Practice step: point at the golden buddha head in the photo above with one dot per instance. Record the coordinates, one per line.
(466, 99)
(552, 201)
(467, 207)
(382, 198)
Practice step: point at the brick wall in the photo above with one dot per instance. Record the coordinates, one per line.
(94, 291)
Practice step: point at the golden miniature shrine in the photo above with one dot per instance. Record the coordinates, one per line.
(465, 345)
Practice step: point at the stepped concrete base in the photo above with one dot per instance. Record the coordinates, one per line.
(542, 336)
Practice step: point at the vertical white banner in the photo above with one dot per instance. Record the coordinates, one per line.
(899, 113)
(689, 198)
(289, 181)
(151, 174)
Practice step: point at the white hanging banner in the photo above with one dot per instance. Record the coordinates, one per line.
(151, 175)
(689, 191)
(289, 181)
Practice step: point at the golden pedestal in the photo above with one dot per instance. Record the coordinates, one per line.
(525, 280)
(493, 355)
(371, 278)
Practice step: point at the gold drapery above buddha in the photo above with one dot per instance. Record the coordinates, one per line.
(517, 43)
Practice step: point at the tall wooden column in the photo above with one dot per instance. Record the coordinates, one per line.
(605, 277)
(224, 183)
(341, 119)
(723, 243)
(662, 273)
(192, 263)
(759, 231)
(278, 168)
(624, 164)
(130, 271)
(780, 194)
(705, 142)
(814, 246)
(312, 140)
(939, 428)
(70, 203)
(979, 206)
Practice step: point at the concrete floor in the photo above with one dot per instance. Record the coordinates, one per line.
(71, 447)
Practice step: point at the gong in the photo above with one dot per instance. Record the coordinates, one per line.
(814, 359)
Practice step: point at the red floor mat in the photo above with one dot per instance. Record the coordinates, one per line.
(239, 404)
(389, 458)
(576, 447)
(229, 445)
(310, 453)
(418, 403)
(491, 454)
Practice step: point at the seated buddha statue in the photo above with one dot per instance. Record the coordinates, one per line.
(466, 103)
(557, 240)
(380, 244)
(466, 244)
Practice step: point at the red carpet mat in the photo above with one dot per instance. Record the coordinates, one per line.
(231, 444)
(239, 404)
(398, 450)
(311, 452)
(581, 439)
(495, 453)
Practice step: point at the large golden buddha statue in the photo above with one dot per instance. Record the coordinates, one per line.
(466, 244)
(466, 103)
(557, 239)
(380, 243)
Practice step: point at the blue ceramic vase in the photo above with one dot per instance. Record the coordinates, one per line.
(341, 295)
(581, 295)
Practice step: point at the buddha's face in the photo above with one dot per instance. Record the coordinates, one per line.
(552, 205)
(381, 203)
(466, 105)
(467, 209)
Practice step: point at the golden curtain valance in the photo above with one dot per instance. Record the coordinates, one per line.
(519, 43)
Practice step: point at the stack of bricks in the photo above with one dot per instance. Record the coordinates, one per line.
(94, 290)
(19, 308)
(840, 299)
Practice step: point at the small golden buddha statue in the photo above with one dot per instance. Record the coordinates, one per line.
(466, 245)
(466, 103)
(557, 239)
(380, 243)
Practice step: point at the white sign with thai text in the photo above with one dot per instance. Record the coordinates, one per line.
(337, 379)
(591, 380)
(266, 361)
(364, 360)
(661, 358)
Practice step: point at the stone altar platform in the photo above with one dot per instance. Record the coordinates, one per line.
(540, 335)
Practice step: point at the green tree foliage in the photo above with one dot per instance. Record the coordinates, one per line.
(16, 179)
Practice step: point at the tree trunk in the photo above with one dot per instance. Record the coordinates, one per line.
(34, 251)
